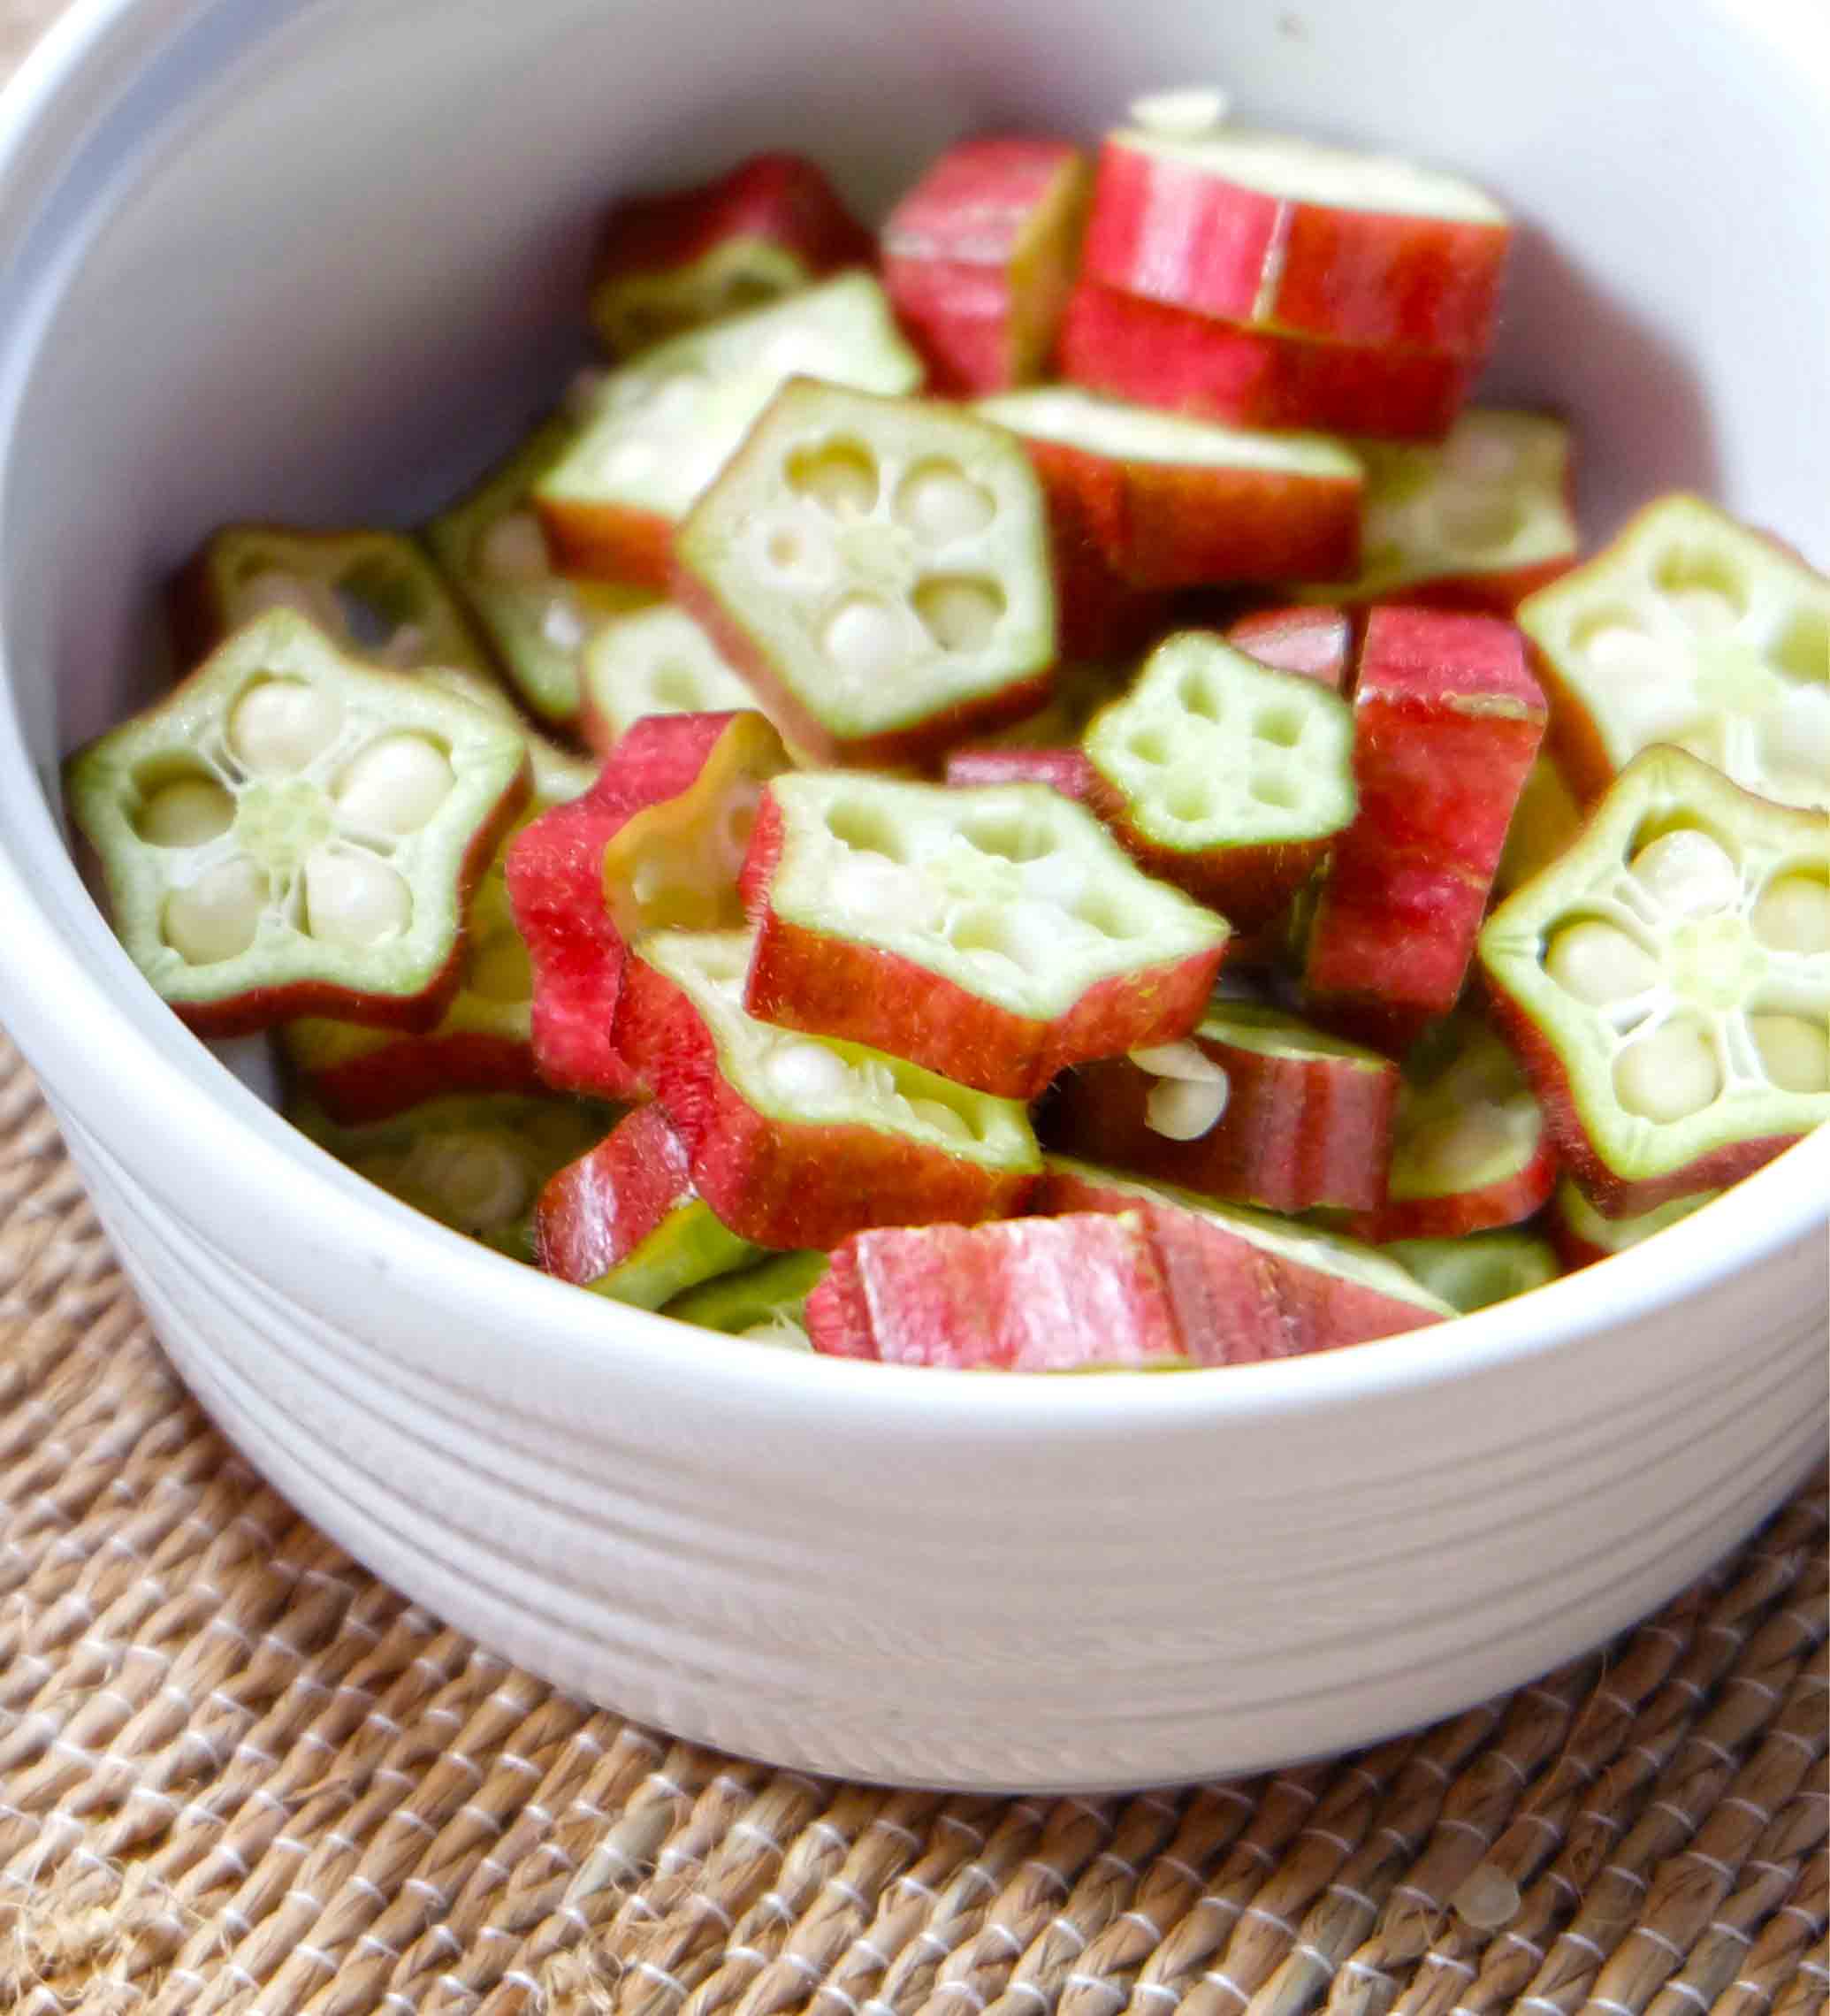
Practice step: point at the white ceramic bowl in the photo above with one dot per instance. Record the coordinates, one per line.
(297, 259)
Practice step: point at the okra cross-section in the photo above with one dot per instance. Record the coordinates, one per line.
(996, 936)
(657, 662)
(796, 1141)
(1666, 984)
(1223, 776)
(1689, 630)
(661, 428)
(291, 832)
(879, 571)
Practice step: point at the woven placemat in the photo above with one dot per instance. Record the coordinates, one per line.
(238, 1773)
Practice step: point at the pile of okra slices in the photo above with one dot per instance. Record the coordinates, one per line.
(1119, 829)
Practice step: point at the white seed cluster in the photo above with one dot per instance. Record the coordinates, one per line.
(1189, 1091)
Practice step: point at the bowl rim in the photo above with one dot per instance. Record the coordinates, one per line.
(87, 1038)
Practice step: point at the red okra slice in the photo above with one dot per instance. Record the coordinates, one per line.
(979, 255)
(1284, 235)
(1583, 1236)
(1177, 503)
(1480, 1270)
(995, 936)
(291, 831)
(1690, 630)
(1447, 720)
(766, 1303)
(657, 662)
(1063, 770)
(674, 802)
(1666, 984)
(475, 1164)
(1250, 1286)
(1223, 776)
(659, 430)
(1317, 643)
(625, 1221)
(1132, 349)
(1470, 1150)
(373, 593)
(676, 259)
(1477, 521)
(1081, 1293)
(878, 569)
(797, 1140)
(494, 551)
(1252, 1106)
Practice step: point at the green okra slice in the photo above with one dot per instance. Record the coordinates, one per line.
(1667, 983)
(1479, 1269)
(293, 831)
(1582, 1235)
(657, 662)
(767, 1302)
(1692, 630)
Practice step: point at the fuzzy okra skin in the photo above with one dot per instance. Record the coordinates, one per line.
(979, 257)
(1665, 984)
(878, 569)
(1692, 630)
(1283, 234)
(1252, 1106)
(291, 831)
(797, 1140)
(1223, 776)
(1447, 720)
(676, 259)
(1582, 1235)
(1063, 770)
(1315, 643)
(660, 428)
(1481, 1269)
(993, 935)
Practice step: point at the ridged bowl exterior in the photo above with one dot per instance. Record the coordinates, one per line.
(891, 1574)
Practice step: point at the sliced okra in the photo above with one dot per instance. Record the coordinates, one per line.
(1545, 821)
(494, 551)
(1665, 983)
(796, 1141)
(1582, 1235)
(878, 569)
(1254, 1106)
(659, 430)
(766, 1303)
(1480, 1270)
(290, 831)
(677, 259)
(995, 936)
(1317, 642)
(1693, 630)
(658, 661)
(1223, 776)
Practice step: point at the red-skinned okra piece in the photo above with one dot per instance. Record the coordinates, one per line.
(374, 593)
(878, 569)
(1128, 347)
(656, 432)
(1080, 1293)
(995, 936)
(1582, 1235)
(798, 1140)
(1695, 630)
(1666, 984)
(1283, 234)
(1447, 720)
(679, 258)
(682, 786)
(1178, 503)
(979, 255)
(1249, 1286)
(1477, 521)
(290, 831)
(1223, 776)
(1469, 1150)
(625, 1221)
(1316, 643)
(1252, 1106)
(1063, 770)
(1044, 748)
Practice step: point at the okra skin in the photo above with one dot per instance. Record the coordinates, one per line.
(595, 1211)
(390, 1080)
(1315, 643)
(1063, 770)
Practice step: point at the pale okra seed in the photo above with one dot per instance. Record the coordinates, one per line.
(941, 1118)
(1620, 646)
(217, 917)
(1793, 914)
(938, 502)
(959, 611)
(562, 622)
(513, 551)
(807, 1072)
(863, 637)
(1686, 873)
(480, 1180)
(1477, 454)
(1180, 1110)
(1477, 1145)
(394, 785)
(1184, 1060)
(281, 726)
(1669, 1074)
(354, 901)
(499, 970)
(1706, 610)
(274, 588)
(840, 477)
(1598, 963)
(1794, 1053)
(1182, 114)
(186, 813)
